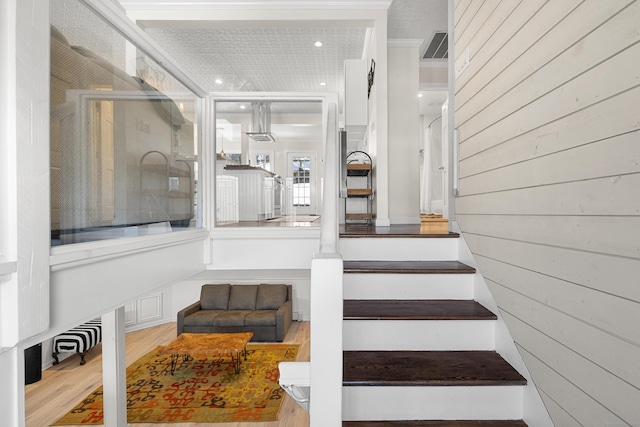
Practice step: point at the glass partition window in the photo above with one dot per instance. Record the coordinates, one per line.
(266, 162)
(124, 135)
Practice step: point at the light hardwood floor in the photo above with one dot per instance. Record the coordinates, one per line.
(64, 385)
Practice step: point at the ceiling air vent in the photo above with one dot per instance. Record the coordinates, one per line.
(438, 48)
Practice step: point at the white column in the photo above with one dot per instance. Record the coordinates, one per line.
(380, 124)
(12, 388)
(114, 376)
(326, 341)
(24, 192)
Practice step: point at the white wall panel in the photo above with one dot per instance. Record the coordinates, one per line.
(604, 311)
(263, 251)
(605, 119)
(609, 78)
(478, 23)
(589, 197)
(597, 271)
(404, 135)
(586, 233)
(548, 64)
(586, 410)
(564, 166)
(613, 392)
(561, 417)
(82, 289)
(548, 204)
(505, 45)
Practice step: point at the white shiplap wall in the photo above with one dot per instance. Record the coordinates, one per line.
(548, 114)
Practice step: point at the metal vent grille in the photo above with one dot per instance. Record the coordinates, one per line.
(438, 48)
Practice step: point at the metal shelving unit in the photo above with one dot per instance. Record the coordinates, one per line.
(358, 202)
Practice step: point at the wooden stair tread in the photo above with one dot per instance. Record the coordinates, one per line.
(358, 216)
(359, 192)
(412, 231)
(416, 310)
(437, 423)
(408, 267)
(428, 368)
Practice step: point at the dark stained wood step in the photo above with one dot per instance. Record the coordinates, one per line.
(428, 368)
(437, 423)
(416, 310)
(408, 267)
(394, 231)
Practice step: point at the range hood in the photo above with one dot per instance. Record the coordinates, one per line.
(261, 122)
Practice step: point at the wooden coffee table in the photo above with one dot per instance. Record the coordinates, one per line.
(189, 345)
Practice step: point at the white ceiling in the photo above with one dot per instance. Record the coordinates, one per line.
(276, 57)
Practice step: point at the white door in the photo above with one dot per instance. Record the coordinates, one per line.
(302, 182)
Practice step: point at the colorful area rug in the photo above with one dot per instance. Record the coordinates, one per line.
(202, 390)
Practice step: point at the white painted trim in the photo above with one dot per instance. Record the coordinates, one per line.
(116, 18)
(256, 4)
(434, 402)
(405, 42)
(367, 42)
(265, 233)
(383, 222)
(406, 220)
(434, 63)
(326, 340)
(7, 267)
(114, 365)
(505, 345)
(68, 256)
(433, 86)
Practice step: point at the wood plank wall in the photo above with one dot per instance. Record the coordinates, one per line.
(549, 118)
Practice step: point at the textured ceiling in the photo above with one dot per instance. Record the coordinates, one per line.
(417, 19)
(265, 56)
(262, 59)
(277, 57)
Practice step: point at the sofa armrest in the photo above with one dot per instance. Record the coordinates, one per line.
(284, 317)
(184, 313)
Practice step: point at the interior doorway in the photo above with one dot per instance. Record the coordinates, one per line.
(302, 183)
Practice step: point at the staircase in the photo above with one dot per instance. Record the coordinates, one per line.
(418, 350)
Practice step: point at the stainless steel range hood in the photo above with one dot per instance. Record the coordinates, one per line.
(261, 122)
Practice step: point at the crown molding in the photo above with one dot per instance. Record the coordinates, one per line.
(405, 42)
(254, 4)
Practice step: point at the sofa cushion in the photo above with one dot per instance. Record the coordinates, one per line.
(231, 318)
(243, 297)
(202, 317)
(261, 318)
(214, 297)
(271, 297)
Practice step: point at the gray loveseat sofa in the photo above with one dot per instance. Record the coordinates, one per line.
(265, 309)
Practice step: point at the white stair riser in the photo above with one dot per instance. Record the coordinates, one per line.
(399, 249)
(436, 403)
(420, 335)
(408, 286)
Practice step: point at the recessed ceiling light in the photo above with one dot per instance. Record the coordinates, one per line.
(218, 81)
(318, 44)
(242, 107)
(419, 95)
(323, 83)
